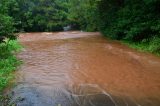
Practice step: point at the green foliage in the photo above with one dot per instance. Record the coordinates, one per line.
(8, 62)
(6, 26)
(39, 15)
(83, 13)
(153, 46)
(6, 22)
(133, 20)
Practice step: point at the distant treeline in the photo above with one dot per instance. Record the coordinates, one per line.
(135, 21)
(36, 15)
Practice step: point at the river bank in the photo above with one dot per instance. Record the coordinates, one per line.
(8, 64)
(152, 47)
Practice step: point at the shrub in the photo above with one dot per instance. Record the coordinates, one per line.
(6, 27)
(8, 62)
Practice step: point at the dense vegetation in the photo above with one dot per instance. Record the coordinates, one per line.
(6, 22)
(8, 61)
(135, 22)
(39, 15)
(84, 14)
(33, 15)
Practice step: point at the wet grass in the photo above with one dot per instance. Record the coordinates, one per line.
(8, 62)
(151, 47)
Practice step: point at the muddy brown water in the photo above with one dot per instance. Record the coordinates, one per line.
(84, 69)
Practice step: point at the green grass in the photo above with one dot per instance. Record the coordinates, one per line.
(153, 46)
(8, 62)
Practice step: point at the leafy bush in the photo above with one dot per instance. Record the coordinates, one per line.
(154, 45)
(6, 27)
(83, 13)
(8, 62)
(133, 20)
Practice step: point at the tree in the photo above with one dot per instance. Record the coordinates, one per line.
(83, 13)
(40, 15)
(6, 22)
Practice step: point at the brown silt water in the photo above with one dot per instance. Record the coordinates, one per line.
(84, 69)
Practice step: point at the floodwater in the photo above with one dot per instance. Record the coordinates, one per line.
(84, 69)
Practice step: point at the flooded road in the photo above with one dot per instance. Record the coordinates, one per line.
(84, 69)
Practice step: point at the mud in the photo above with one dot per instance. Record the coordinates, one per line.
(84, 69)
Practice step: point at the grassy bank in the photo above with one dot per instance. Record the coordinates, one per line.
(152, 46)
(8, 62)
